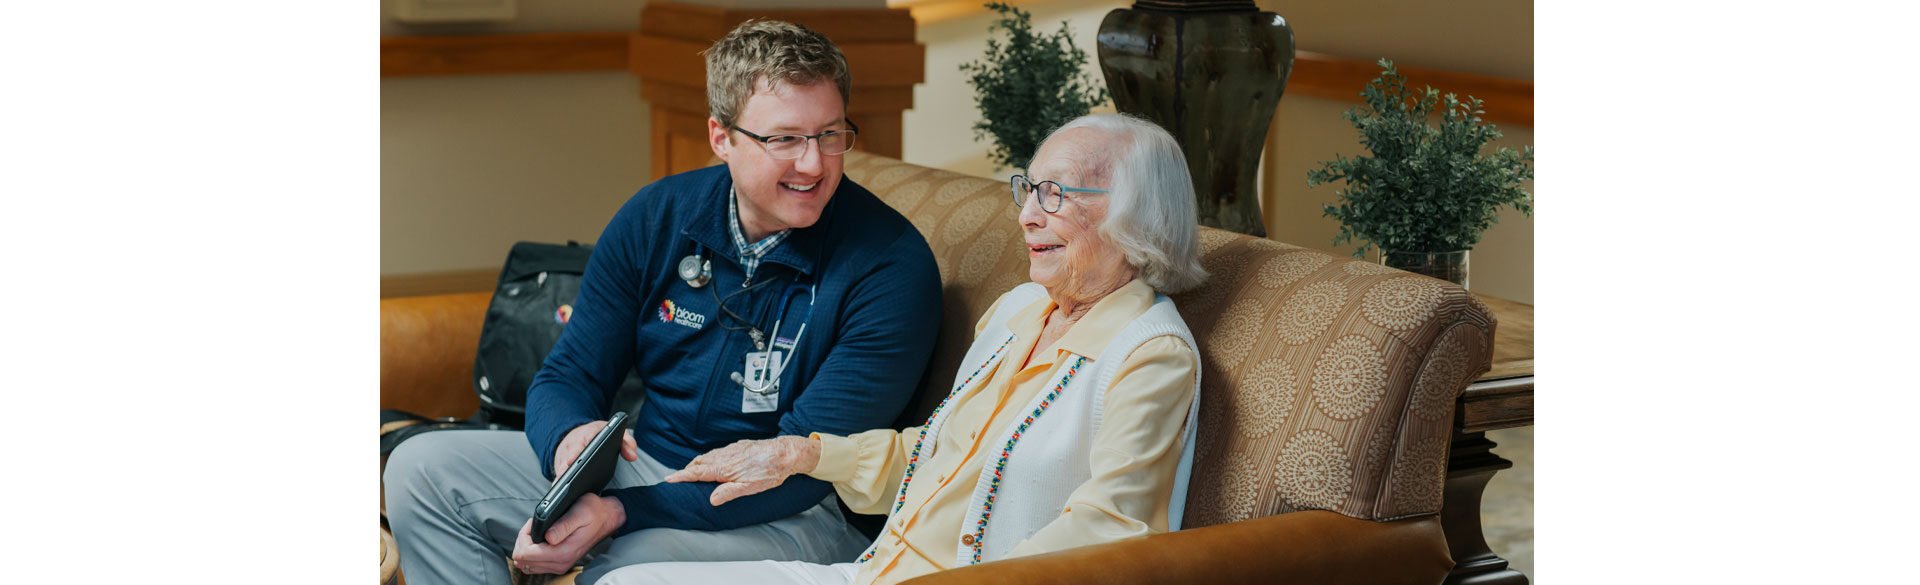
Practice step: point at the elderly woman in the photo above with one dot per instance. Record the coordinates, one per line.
(1071, 419)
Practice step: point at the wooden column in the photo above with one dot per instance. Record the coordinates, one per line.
(665, 55)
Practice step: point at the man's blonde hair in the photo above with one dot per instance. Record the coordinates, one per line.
(769, 52)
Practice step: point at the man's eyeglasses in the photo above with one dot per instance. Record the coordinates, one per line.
(1051, 193)
(792, 146)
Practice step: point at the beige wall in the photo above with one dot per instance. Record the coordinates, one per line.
(471, 164)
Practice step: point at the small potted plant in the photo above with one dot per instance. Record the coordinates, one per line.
(1028, 85)
(1427, 193)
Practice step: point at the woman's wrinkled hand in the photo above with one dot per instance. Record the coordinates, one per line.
(750, 467)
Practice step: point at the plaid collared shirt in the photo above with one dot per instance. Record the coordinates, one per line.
(750, 254)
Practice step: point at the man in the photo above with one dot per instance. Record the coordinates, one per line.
(760, 298)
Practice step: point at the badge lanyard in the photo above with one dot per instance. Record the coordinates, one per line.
(774, 364)
(761, 373)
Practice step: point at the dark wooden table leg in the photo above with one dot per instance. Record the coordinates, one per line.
(1470, 467)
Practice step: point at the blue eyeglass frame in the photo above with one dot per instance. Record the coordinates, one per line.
(1020, 199)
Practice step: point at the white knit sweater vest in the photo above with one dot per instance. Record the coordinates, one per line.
(1046, 452)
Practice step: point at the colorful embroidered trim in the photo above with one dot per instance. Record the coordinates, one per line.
(913, 460)
(980, 527)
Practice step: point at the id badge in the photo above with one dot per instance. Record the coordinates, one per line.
(761, 370)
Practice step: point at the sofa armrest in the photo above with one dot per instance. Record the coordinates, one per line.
(1314, 546)
(427, 346)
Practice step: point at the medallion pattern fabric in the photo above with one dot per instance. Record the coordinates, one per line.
(1309, 311)
(979, 258)
(1211, 241)
(1207, 298)
(1236, 336)
(1379, 452)
(1239, 486)
(1262, 245)
(1410, 489)
(1443, 375)
(1377, 356)
(911, 194)
(1314, 472)
(967, 221)
(1265, 398)
(1400, 304)
(1350, 378)
(1285, 269)
(1216, 418)
(952, 192)
(893, 175)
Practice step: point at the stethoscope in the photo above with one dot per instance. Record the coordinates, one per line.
(697, 271)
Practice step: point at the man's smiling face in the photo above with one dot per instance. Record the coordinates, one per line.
(780, 194)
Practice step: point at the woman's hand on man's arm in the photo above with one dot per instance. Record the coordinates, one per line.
(750, 467)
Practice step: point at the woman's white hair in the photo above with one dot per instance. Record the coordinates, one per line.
(1151, 213)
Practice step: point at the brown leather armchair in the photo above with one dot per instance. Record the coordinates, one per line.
(1327, 396)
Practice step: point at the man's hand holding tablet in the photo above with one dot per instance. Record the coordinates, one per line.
(572, 517)
(577, 440)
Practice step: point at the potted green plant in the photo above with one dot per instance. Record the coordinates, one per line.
(1427, 193)
(1028, 85)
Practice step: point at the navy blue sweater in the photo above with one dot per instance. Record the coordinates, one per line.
(870, 328)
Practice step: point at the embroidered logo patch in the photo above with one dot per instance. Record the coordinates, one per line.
(671, 313)
(563, 314)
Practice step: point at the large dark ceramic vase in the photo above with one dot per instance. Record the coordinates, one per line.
(1211, 73)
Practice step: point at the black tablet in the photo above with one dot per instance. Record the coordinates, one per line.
(589, 474)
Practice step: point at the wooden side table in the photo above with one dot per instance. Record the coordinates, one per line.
(1500, 399)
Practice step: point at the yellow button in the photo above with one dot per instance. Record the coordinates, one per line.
(967, 540)
(973, 435)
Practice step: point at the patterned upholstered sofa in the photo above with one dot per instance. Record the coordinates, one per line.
(1328, 388)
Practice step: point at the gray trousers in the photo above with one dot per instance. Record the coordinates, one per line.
(456, 501)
